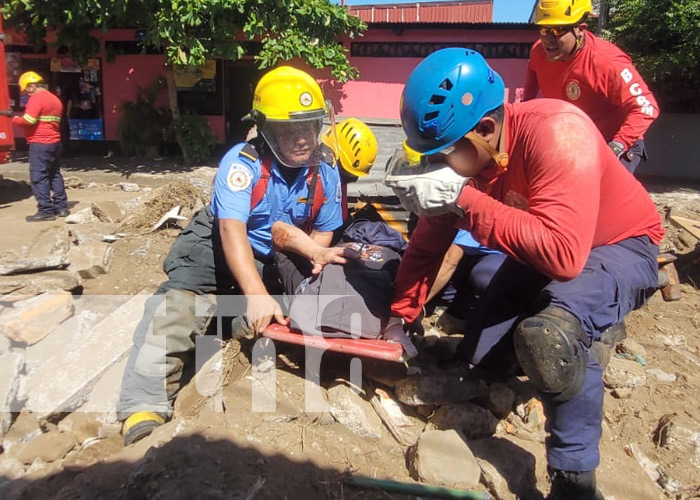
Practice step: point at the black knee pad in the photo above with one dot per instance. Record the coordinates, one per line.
(551, 352)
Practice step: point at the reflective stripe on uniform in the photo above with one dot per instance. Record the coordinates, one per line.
(49, 118)
(29, 119)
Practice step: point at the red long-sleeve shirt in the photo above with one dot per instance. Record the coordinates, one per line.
(602, 81)
(41, 118)
(564, 192)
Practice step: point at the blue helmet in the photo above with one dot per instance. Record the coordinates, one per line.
(447, 94)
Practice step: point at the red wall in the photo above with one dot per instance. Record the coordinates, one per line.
(376, 93)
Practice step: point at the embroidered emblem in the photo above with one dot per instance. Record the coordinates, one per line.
(239, 177)
(305, 99)
(573, 90)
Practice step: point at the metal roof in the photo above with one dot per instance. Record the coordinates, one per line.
(475, 11)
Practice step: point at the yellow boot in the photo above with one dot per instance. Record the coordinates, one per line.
(139, 425)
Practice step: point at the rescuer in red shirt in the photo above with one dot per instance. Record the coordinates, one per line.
(570, 63)
(537, 182)
(41, 122)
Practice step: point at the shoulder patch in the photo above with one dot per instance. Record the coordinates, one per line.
(239, 177)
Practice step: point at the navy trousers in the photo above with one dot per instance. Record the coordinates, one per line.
(615, 280)
(636, 154)
(45, 176)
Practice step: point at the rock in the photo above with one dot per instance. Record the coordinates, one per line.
(661, 376)
(405, 428)
(48, 251)
(443, 458)
(631, 347)
(73, 182)
(354, 412)
(94, 451)
(471, 420)
(65, 368)
(129, 187)
(31, 320)
(680, 434)
(508, 470)
(83, 216)
(107, 211)
(439, 389)
(24, 429)
(81, 425)
(10, 468)
(38, 283)
(91, 258)
(11, 366)
(622, 393)
(499, 400)
(532, 413)
(623, 373)
(5, 343)
(104, 396)
(48, 447)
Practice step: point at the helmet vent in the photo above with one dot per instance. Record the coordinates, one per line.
(430, 116)
(446, 84)
(437, 99)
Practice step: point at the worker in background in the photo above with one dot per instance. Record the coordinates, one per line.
(536, 181)
(41, 123)
(282, 175)
(569, 63)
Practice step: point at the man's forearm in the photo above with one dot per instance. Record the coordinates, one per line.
(288, 238)
(239, 257)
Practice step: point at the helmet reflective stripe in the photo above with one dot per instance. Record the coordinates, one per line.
(446, 96)
(561, 12)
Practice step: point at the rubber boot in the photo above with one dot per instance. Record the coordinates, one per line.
(139, 425)
(573, 486)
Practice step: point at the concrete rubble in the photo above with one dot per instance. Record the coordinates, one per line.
(624, 374)
(437, 389)
(91, 258)
(443, 458)
(83, 216)
(681, 434)
(11, 368)
(354, 412)
(29, 321)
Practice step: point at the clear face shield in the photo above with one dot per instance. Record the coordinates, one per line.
(296, 142)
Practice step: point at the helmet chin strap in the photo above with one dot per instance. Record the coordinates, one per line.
(499, 156)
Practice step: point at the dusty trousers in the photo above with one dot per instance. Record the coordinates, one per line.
(616, 280)
(176, 316)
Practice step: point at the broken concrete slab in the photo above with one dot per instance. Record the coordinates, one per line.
(38, 283)
(107, 211)
(24, 429)
(11, 367)
(5, 343)
(62, 373)
(47, 447)
(508, 470)
(129, 187)
(354, 412)
(443, 458)
(473, 421)
(91, 258)
(405, 428)
(30, 320)
(680, 434)
(439, 389)
(624, 373)
(48, 251)
(83, 216)
(104, 396)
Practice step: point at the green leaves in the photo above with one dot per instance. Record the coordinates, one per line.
(191, 31)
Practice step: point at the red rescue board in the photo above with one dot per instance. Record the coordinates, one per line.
(366, 348)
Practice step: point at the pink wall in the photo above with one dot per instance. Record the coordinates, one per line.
(376, 93)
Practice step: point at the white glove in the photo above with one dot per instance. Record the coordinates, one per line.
(393, 332)
(426, 190)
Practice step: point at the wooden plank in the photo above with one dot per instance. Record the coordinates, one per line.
(690, 225)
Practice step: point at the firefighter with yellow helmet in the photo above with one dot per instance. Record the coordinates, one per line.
(569, 63)
(283, 175)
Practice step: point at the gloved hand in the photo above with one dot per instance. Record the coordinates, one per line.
(426, 190)
(393, 332)
(619, 150)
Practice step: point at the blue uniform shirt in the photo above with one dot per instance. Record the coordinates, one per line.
(470, 246)
(233, 187)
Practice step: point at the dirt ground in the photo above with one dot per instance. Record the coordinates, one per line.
(217, 447)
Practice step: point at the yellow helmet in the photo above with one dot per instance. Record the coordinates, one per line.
(356, 146)
(27, 78)
(561, 12)
(413, 156)
(286, 94)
